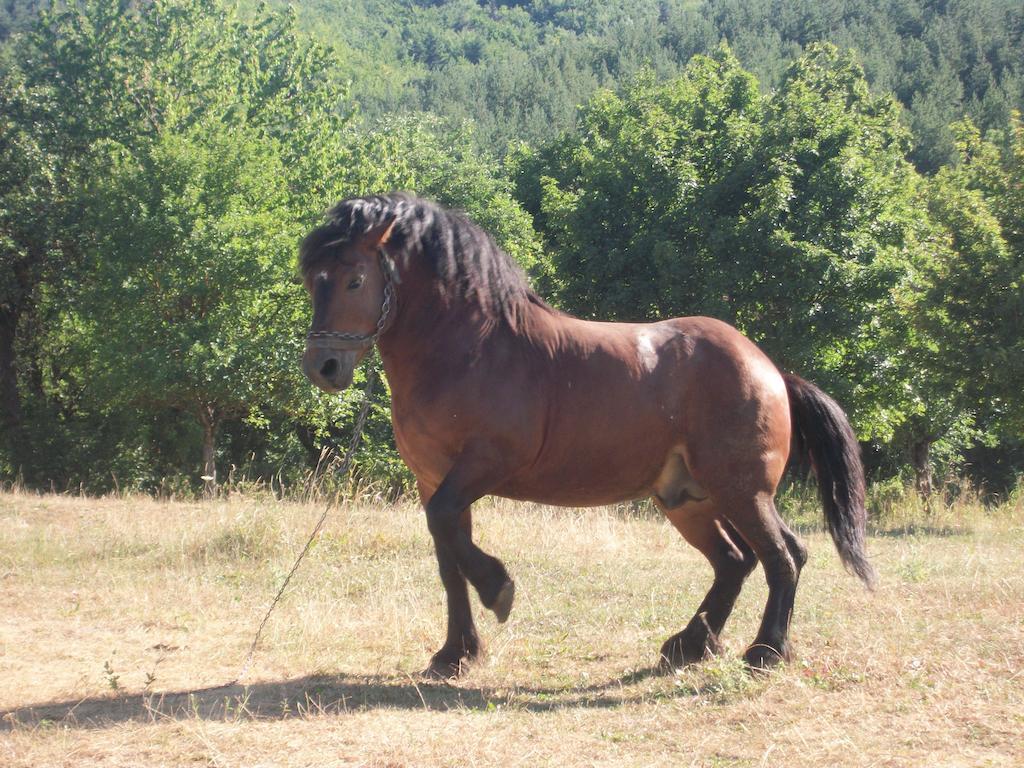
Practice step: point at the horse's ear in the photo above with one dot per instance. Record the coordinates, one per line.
(378, 236)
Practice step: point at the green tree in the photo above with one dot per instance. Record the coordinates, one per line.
(107, 83)
(966, 304)
(188, 302)
(974, 296)
(28, 186)
(440, 159)
(793, 215)
(190, 149)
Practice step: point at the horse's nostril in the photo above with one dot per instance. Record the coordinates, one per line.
(329, 368)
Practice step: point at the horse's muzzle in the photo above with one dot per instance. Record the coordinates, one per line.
(330, 369)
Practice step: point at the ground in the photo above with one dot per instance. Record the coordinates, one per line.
(120, 617)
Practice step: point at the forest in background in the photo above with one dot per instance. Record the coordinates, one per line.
(842, 180)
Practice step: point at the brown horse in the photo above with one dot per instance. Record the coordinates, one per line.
(494, 392)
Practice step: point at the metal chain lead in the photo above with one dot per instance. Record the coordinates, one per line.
(364, 412)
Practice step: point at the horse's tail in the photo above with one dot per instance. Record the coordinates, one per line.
(822, 434)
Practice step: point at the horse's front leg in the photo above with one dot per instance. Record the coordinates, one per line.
(462, 642)
(459, 558)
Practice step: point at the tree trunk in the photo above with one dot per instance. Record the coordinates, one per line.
(10, 398)
(208, 419)
(920, 459)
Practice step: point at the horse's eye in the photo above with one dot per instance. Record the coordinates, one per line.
(355, 283)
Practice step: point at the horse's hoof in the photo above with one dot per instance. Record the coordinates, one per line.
(761, 657)
(502, 605)
(445, 666)
(692, 645)
(443, 670)
(673, 657)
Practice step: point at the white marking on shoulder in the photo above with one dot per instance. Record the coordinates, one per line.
(645, 351)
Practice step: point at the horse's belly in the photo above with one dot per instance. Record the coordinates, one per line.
(570, 495)
(588, 478)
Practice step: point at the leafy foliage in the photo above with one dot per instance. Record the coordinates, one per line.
(159, 163)
(519, 70)
(160, 168)
(974, 295)
(788, 215)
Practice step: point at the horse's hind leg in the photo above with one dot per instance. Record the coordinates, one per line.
(782, 556)
(731, 560)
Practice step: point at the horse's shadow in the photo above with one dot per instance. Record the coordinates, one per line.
(312, 695)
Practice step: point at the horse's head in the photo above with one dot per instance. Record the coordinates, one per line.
(350, 285)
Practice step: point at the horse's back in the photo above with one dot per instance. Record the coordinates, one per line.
(698, 358)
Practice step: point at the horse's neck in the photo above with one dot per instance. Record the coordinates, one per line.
(430, 336)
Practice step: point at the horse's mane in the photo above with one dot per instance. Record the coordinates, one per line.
(463, 258)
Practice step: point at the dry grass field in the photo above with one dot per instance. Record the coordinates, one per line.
(120, 617)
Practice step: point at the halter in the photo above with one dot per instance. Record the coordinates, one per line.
(345, 341)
